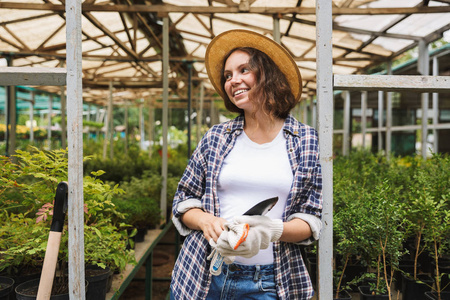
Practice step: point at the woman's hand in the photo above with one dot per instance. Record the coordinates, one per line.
(210, 225)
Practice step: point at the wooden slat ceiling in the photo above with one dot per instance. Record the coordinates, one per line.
(122, 39)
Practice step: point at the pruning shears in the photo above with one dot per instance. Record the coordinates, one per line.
(54, 240)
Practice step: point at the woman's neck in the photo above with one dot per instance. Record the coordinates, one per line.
(261, 128)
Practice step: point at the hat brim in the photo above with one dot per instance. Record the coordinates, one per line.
(223, 43)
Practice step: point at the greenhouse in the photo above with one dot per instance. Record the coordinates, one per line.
(102, 104)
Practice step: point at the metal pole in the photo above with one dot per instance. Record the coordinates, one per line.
(200, 112)
(126, 128)
(276, 29)
(63, 118)
(363, 118)
(380, 118)
(12, 119)
(49, 121)
(305, 111)
(75, 140)
(314, 113)
(141, 126)
(389, 116)
(111, 121)
(7, 110)
(189, 112)
(151, 121)
(423, 68)
(63, 113)
(324, 63)
(165, 115)
(346, 138)
(32, 118)
(435, 107)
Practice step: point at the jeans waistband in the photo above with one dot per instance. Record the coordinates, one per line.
(248, 270)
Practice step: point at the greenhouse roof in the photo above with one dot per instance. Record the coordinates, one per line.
(122, 39)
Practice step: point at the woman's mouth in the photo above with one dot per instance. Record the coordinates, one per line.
(239, 92)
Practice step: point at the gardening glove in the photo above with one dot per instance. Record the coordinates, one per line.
(262, 231)
(217, 259)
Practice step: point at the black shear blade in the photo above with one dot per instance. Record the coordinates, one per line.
(262, 207)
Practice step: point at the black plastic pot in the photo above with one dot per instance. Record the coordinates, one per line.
(366, 294)
(405, 266)
(343, 295)
(413, 290)
(98, 280)
(28, 291)
(6, 287)
(140, 235)
(434, 295)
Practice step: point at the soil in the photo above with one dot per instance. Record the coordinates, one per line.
(163, 262)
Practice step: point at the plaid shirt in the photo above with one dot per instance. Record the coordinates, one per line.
(191, 276)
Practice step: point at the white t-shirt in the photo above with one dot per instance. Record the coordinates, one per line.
(251, 173)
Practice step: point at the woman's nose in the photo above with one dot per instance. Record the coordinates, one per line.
(235, 79)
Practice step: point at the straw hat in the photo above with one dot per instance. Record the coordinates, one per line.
(222, 44)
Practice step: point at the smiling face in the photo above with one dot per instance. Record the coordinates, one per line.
(239, 80)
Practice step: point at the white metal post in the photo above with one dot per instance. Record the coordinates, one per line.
(49, 121)
(63, 118)
(324, 63)
(200, 112)
(126, 128)
(380, 118)
(314, 113)
(423, 64)
(141, 125)
(75, 141)
(347, 122)
(276, 29)
(32, 117)
(165, 115)
(151, 121)
(435, 107)
(12, 120)
(363, 118)
(389, 116)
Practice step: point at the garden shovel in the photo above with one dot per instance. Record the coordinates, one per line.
(261, 209)
(54, 240)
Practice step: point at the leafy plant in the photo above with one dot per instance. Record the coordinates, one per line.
(33, 182)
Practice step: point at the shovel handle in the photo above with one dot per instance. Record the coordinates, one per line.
(49, 267)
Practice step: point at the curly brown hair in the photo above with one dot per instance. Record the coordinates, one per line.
(271, 93)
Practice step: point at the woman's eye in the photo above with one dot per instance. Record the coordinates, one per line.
(245, 70)
(227, 76)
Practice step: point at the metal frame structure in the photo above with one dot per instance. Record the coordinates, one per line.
(326, 82)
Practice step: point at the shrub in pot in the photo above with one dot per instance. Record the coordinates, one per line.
(33, 180)
(348, 235)
(384, 234)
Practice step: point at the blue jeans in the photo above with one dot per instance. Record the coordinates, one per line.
(243, 282)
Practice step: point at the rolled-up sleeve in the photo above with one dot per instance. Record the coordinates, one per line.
(190, 189)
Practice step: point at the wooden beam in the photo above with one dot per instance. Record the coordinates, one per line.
(235, 9)
(32, 76)
(432, 84)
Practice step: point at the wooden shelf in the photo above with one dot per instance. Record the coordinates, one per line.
(143, 251)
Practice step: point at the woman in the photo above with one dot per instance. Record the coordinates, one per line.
(262, 153)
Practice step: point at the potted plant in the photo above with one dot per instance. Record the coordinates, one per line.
(420, 215)
(384, 217)
(348, 235)
(33, 182)
(436, 237)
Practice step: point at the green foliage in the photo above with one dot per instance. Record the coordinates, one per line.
(32, 183)
(378, 204)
